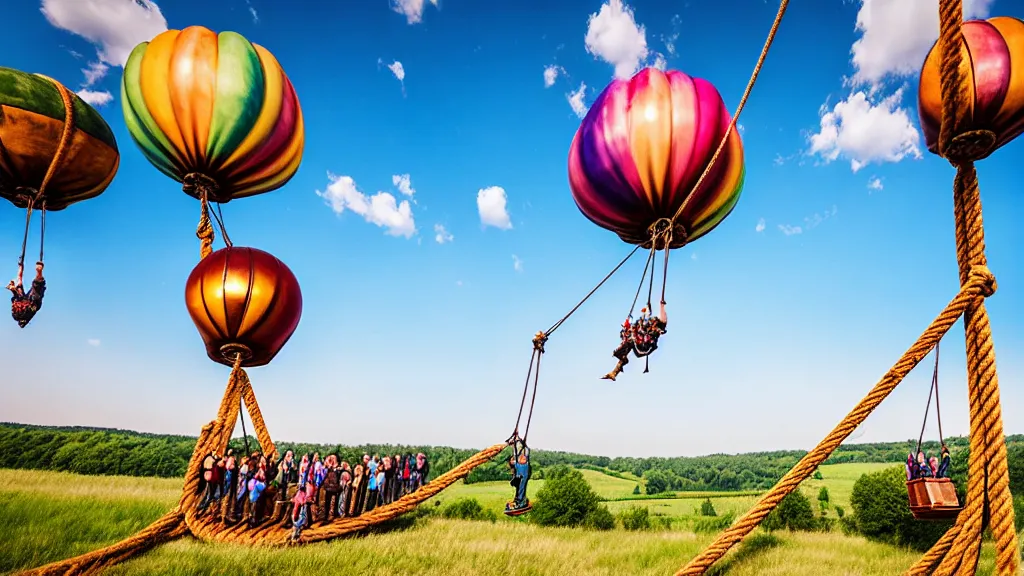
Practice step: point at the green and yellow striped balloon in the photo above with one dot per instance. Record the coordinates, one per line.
(198, 102)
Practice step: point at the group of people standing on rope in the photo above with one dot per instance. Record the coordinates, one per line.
(925, 467)
(303, 491)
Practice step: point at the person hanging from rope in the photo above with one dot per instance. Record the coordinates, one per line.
(640, 338)
(944, 463)
(25, 305)
(519, 463)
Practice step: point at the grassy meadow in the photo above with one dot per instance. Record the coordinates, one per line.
(49, 515)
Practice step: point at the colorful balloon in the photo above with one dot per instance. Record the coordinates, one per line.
(993, 51)
(197, 102)
(243, 301)
(32, 118)
(641, 149)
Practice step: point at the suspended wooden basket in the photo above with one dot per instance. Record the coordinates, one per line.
(933, 499)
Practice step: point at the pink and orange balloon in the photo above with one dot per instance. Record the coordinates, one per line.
(642, 147)
(993, 53)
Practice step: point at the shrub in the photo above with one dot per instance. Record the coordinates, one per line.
(468, 509)
(817, 475)
(600, 518)
(823, 494)
(711, 524)
(881, 511)
(848, 524)
(566, 499)
(794, 512)
(840, 511)
(636, 489)
(636, 518)
(707, 508)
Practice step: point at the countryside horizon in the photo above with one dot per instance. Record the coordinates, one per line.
(297, 259)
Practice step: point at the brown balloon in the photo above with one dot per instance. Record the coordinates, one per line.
(243, 301)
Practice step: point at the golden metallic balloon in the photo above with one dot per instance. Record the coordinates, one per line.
(243, 301)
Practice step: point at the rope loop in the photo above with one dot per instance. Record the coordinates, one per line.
(970, 146)
(199, 185)
(666, 233)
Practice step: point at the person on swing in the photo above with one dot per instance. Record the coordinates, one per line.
(25, 305)
(653, 328)
(521, 470)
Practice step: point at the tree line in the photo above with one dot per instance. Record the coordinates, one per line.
(105, 451)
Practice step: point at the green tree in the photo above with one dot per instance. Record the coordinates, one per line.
(840, 511)
(566, 499)
(636, 489)
(881, 511)
(707, 508)
(823, 494)
(817, 475)
(657, 481)
(794, 512)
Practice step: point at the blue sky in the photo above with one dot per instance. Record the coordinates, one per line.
(838, 255)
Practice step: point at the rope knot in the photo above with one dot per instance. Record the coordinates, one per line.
(984, 279)
(970, 146)
(665, 234)
(539, 340)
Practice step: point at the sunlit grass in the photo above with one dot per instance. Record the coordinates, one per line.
(48, 516)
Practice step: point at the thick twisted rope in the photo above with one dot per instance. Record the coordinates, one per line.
(988, 475)
(980, 284)
(739, 109)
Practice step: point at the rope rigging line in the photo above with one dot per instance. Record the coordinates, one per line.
(640, 286)
(24, 241)
(245, 435)
(739, 109)
(933, 389)
(219, 217)
(558, 324)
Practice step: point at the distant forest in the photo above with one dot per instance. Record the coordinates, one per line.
(104, 451)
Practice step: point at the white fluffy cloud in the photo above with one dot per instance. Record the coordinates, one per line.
(404, 184)
(411, 9)
(517, 264)
(442, 235)
(874, 184)
(575, 99)
(551, 73)
(790, 230)
(381, 209)
(760, 226)
(115, 27)
(398, 70)
(492, 204)
(863, 132)
(897, 34)
(95, 97)
(94, 342)
(614, 36)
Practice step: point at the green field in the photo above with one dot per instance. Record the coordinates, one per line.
(48, 516)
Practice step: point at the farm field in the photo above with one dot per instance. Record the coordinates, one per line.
(49, 516)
